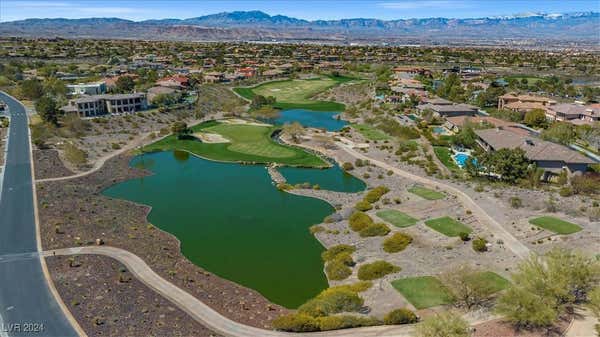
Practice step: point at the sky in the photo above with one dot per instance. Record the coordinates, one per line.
(11, 10)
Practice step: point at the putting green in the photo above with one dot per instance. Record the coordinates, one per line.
(297, 94)
(448, 226)
(247, 143)
(426, 193)
(423, 292)
(397, 218)
(555, 225)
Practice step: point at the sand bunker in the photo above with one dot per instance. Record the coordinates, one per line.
(242, 121)
(211, 138)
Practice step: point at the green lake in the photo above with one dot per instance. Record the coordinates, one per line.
(233, 222)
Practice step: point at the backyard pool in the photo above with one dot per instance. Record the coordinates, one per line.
(440, 130)
(461, 158)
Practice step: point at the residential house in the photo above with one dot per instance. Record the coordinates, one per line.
(97, 105)
(550, 157)
(574, 113)
(176, 81)
(449, 110)
(96, 88)
(523, 103)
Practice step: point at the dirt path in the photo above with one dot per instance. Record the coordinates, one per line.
(496, 228)
(583, 324)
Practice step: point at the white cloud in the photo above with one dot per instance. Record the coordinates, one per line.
(415, 4)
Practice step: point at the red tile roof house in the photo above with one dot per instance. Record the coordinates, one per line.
(550, 157)
(177, 81)
(523, 103)
(247, 72)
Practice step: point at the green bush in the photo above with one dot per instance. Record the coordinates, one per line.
(363, 206)
(296, 322)
(479, 245)
(374, 229)
(347, 166)
(332, 252)
(397, 242)
(345, 322)
(345, 258)
(376, 193)
(516, 202)
(464, 236)
(375, 270)
(337, 270)
(400, 316)
(331, 301)
(359, 220)
(566, 192)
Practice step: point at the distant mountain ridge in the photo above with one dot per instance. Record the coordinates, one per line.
(257, 25)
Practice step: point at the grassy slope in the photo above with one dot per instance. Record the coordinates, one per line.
(555, 225)
(290, 98)
(443, 154)
(397, 218)
(248, 144)
(423, 292)
(426, 193)
(370, 132)
(448, 226)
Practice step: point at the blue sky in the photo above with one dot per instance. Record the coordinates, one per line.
(305, 9)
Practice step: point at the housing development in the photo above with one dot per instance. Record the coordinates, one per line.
(269, 187)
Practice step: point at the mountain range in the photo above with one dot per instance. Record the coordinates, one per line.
(582, 27)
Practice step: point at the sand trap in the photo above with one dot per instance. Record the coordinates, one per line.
(242, 121)
(211, 138)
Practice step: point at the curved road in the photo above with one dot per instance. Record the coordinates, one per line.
(25, 297)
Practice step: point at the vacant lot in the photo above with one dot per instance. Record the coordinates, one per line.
(426, 193)
(448, 226)
(555, 225)
(248, 143)
(397, 218)
(297, 94)
(423, 292)
(370, 132)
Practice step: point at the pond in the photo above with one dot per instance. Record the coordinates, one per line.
(233, 222)
(332, 179)
(317, 119)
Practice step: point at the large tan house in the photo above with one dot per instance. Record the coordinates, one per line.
(523, 103)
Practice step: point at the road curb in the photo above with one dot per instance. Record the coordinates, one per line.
(49, 281)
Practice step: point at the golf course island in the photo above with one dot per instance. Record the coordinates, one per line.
(237, 140)
(296, 93)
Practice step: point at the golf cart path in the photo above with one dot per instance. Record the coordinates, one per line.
(206, 315)
(499, 232)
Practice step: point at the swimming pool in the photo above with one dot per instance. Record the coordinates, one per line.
(461, 158)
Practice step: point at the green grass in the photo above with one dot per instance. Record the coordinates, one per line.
(397, 218)
(496, 282)
(248, 143)
(448, 226)
(370, 132)
(443, 154)
(426, 193)
(423, 292)
(297, 94)
(555, 225)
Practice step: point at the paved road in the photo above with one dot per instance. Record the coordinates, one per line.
(25, 297)
(205, 314)
(512, 243)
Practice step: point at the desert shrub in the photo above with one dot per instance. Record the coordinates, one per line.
(397, 242)
(359, 220)
(374, 229)
(363, 206)
(464, 236)
(446, 324)
(334, 251)
(400, 316)
(347, 166)
(295, 322)
(74, 154)
(345, 258)
(337, 270)
(345, 322)
(375, 270)
(587, 183)
(479, 245)
(331, 301)
(515, 202)
(565, 191)
(376, 193)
